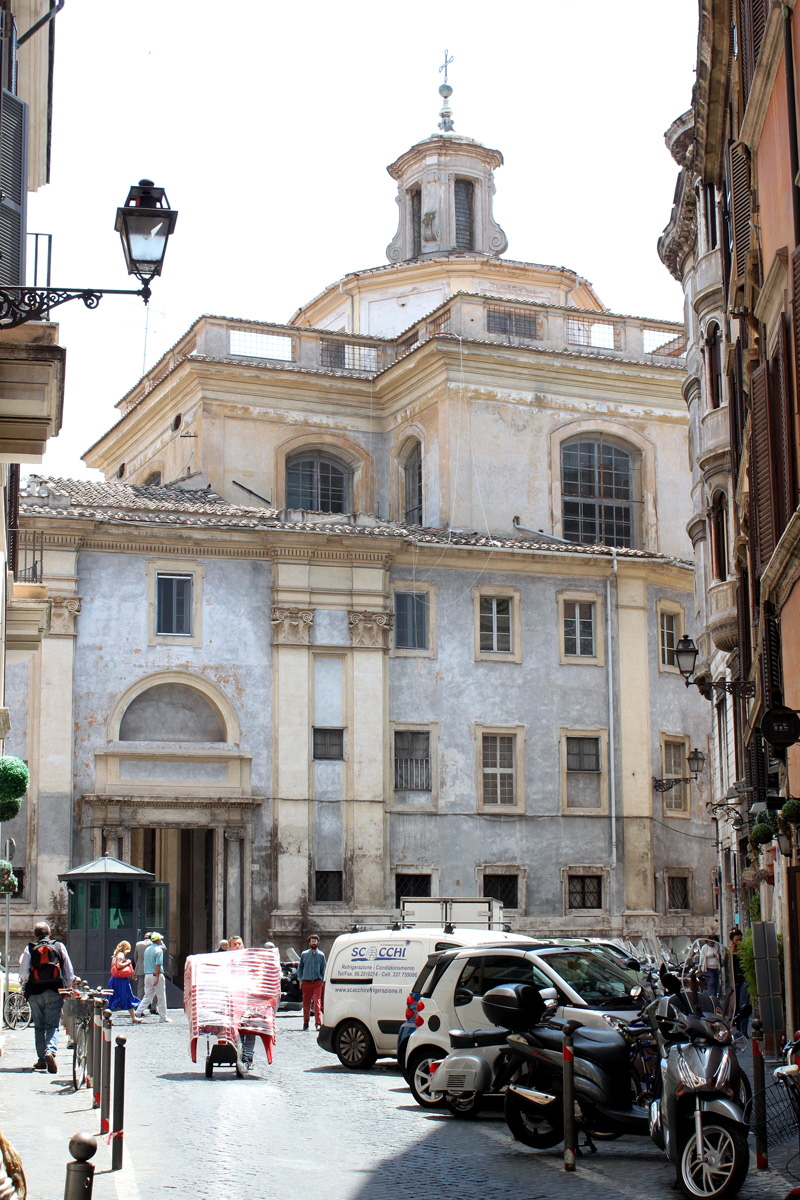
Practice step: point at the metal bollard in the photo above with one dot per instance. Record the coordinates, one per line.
(97, 1050)
(105, 1073)
(759, 1106)
(570, 1140)
(119, 1105)
(80, 1173)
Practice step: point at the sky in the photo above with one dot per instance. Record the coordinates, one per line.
(271, 126)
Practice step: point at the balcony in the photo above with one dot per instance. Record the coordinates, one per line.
(715, 437)
(722, 621)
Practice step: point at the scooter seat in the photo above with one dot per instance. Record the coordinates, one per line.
(469, 1039)
(604, 1047)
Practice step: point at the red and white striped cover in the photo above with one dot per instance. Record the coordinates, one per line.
(228, 993)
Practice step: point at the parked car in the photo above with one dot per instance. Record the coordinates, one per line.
(449, 992)
(368, 977)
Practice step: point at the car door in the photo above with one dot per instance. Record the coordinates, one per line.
(482, 973)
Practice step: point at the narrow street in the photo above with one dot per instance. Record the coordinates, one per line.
(302, 1129)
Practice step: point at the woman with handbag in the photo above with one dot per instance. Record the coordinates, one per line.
(122, 971)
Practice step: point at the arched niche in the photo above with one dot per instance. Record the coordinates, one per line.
(174, 706)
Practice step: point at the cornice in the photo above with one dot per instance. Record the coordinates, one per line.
(783, 569)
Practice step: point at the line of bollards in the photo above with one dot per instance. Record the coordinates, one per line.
(83, 1146)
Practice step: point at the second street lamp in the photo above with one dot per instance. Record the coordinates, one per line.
(144, 223)
(686, 653)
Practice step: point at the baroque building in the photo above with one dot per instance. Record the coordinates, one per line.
(733, 240)
(383, 602)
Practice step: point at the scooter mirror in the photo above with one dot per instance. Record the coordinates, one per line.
(462, 996)
(636, 991)
(633, 964)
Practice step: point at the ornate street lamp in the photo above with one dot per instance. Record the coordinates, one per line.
(696, 760)
(144, 224)
(686, 657)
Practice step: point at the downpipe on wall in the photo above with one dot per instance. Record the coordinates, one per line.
(612, 763)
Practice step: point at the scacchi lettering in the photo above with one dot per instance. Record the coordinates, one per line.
(45, 963)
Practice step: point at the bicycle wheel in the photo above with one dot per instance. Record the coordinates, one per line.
(18, 1011)
(79, 1057)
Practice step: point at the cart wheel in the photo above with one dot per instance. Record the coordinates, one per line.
(209, 1068)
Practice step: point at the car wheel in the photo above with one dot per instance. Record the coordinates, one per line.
(354, 1046)
(419, 1075)
(465, 1107)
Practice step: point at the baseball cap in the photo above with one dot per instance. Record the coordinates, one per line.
(156, 937)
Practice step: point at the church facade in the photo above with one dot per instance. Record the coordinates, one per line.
(382, 602)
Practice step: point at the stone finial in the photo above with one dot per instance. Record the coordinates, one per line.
(446, 112)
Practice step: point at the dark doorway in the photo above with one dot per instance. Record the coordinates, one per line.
(184, 858)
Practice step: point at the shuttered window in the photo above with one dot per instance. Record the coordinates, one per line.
(465, 224)
(761, 468)
(416, 223)
(796, 317)
(782, 433)
(771, 681)
(752, 22)
(736, 410)
(743, 620)
(740, 203)
(13, 187)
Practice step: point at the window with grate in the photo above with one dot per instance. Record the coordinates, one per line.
(668, 636)
(411, 621)
(329, 743)
(597, 493)
(328, 887)
(412, 761)
(585, 891)
(464, 201)
(584, 774)
(675, 767)
(666, 344)
(347, 356)
(416, 222)
(678, 892)
(579, 629)
(495, 624)
(412, 480)
(408, 343)
(441, 324)
(583, 332)
(317, 483)
(410, 886)
(498, 768)
(511, 321)
(174, 604)
(504, 888)
(248, 344)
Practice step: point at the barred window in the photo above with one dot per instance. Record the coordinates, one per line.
(579, 629)
(412, 761)
(585, 891)
(329, 743)
(317, 483)
(347, 356)
(495, 624)
(597, 491)
(409, 886)
(248, 344)
(678, 892)
(512, 322)
(504, 888)
(582, 331)
(498, 768)
(584, 775)
(328, 887)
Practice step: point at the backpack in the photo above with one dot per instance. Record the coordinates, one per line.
(45, 963)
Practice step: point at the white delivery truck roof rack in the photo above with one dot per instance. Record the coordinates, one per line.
(470, 912)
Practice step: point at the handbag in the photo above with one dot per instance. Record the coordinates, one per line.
(126, 971)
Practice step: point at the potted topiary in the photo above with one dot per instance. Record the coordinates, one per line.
(761, 835)
(14, 781)
(791, 811)
(8, 880)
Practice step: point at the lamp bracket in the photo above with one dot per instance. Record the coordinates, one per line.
(19, 304)
(726, 812)
(742, 689)
(666, 785)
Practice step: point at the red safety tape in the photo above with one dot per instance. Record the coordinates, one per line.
(115, 1133)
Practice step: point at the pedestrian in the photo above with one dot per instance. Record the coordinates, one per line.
(248, 1039)
(311, 974)
(710, 965)
(138, 962)
(223, 945)
(154, 984)
(44, 967)
(736, 980)
(122, 971)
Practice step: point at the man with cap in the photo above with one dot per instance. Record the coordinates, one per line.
(310, 976)
(138, 962)
(154, 983)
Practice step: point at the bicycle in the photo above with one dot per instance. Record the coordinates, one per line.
(17, 1010)
(78, 1017)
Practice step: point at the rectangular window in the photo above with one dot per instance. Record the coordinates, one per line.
(328, 887)
(409, 886)
(511, 321)
(666, 343)
(584, 773)
(495, 624)
(463, 194)
(411, 620)
(348, 356)
(585, 891)
(581, 331)
(174, 605)
(328, 743)
(498, 768)
(678, 892)
(416, 223)
(504, 888)
(669, 638)
(412, 761)
(261, 345)
(578, 629)
(675, 767)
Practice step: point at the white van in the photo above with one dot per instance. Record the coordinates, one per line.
(368, 978)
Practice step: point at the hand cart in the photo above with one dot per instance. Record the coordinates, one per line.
(228, 994)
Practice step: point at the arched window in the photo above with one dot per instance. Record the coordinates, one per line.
(412, 480)
(718, 520)
(714, 352)
(318, 483)
(171, 712)
(153, 479)
(598, 493)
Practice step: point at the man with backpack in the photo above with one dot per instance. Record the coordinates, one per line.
(44, 968)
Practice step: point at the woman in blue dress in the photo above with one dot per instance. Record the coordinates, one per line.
(122, 971)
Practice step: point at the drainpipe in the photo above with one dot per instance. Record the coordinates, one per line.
(612, 781)
(791, 115)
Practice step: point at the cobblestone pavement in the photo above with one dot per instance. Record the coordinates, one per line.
(302, 1129)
